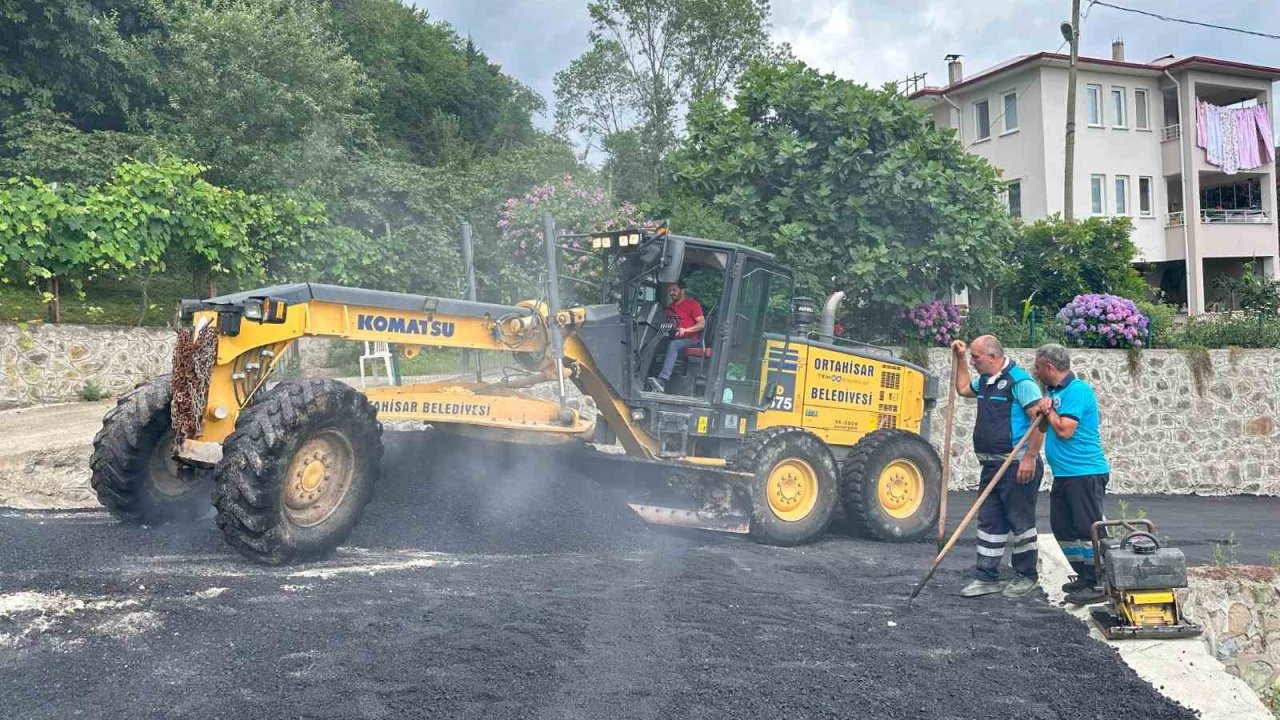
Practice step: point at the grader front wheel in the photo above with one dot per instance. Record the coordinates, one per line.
(134, 474)
(794, 489)
(298, 471)
(889, 486)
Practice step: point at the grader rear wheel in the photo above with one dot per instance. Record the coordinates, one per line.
(298, 471)
(134, 474)
(889, 486)
(794, 490)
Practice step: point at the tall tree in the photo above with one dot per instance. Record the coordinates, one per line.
(438, 97)
(649, 59)
(846, 182)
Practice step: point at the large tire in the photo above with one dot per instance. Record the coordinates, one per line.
(889, 486)
(298, 471)
(133, 471)
(794, 491)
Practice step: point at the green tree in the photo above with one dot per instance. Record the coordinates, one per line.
(260, 91)
(646, 61)
(847, 183)
(46, 144)
(1052, 261)
(438, 97)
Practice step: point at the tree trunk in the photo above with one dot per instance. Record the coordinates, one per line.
(55, 300)
(142, 312)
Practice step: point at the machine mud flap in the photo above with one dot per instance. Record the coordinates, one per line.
(674, 493)
(1114, 629)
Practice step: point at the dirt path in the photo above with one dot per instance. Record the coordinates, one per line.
(44, 454)
(501, 589)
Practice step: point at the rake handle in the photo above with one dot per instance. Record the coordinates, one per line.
(946, 452)
(974, 510)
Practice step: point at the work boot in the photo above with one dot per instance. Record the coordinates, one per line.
(1020, 586)
(1086, 596)
(978, 588)
(1073, 585)
(656, 385)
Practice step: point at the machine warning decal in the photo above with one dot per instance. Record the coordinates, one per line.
(702, 424)
(742, 426)
(431, 408)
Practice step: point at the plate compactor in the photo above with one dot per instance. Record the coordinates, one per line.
(1138, 576)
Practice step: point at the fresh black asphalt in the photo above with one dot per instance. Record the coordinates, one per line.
(505, 588)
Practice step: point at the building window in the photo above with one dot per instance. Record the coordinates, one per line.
(981, 120)
(1145, 204)
(1097, 206)
(1141, 110)
(1118, 118)
(1122, 195)
(1095, 105)
(1010, 111)
(1014, 193)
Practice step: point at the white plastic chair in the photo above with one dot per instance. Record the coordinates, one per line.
(374, 351)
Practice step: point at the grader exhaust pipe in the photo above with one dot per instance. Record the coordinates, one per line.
(829, 313)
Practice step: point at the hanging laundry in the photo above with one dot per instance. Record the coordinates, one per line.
(1263, 122)
(1246, 138)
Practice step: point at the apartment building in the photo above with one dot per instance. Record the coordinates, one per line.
(1197, 215)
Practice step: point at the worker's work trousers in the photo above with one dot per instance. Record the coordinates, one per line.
(1075, 504)
(674, 349)
(1008, 518)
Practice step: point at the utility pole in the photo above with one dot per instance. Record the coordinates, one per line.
(1072, 34)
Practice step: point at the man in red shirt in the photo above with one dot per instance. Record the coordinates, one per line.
(686, 313)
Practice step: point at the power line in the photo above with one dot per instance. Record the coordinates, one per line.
(1167, 18)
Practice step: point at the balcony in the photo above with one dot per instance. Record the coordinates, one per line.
(1175, 219)
(1238, 239)
(1170, 132)
(1235, 217)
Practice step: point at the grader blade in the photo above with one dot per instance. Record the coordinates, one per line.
(699, 519)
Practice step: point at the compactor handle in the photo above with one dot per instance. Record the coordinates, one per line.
(1141, 535)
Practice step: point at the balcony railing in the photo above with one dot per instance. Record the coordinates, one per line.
(1170, 132)
(1175, 219)
(1241, 217)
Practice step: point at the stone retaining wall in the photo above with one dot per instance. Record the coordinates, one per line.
(1239, 609)
(53, 363)
(1173, 422)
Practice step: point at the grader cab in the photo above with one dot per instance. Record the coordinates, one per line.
(765, 427)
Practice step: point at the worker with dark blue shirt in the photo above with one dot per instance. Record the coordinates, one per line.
(1007, 401)
(1073, 446)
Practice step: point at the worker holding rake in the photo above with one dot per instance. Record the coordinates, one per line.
(1008, 398)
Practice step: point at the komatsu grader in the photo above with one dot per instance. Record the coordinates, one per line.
(768, 428)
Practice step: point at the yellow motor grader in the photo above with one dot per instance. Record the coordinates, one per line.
(768, 427)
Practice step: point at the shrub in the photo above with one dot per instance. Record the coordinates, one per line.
(935, 322)
(1094, 320)
(92, 392)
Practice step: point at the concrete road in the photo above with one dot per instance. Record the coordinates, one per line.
(500, 589)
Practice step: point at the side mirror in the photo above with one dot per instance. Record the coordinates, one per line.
(672, 260)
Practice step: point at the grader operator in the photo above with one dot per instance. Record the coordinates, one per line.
(763, 429)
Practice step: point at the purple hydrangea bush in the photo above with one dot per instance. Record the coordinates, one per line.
(1098, 320)
(936, 322)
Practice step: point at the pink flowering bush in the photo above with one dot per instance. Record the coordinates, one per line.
(935, 322)
(577, 209)
(1096, 320)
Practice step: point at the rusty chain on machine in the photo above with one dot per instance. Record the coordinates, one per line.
(193, 359)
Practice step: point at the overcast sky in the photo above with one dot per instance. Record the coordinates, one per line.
(874, 41)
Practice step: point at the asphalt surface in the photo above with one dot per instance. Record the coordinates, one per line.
(1240, 530)
(503, 588)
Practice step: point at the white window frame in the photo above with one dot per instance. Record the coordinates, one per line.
(1007, 195)
(1101, 184)
(1151, 196)
(1121, 185)
(1004, 110)
(1141, 108)
(1093, 101)
(1121, 122)
(977, 121)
